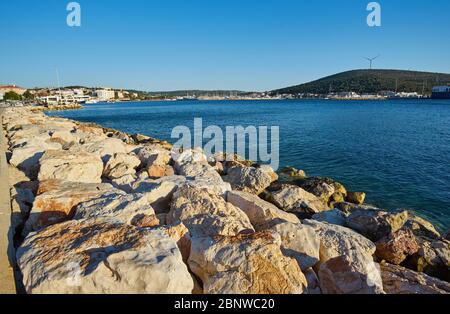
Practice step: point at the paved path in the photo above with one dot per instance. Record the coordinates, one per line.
(7, 283)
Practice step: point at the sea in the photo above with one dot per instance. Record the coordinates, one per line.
(397, 151)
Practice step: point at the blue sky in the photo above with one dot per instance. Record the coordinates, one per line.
(215, 44)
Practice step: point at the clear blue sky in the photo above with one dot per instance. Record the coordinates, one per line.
(215, 44)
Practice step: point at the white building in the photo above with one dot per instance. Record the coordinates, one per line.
(105, 94)
(2, 95)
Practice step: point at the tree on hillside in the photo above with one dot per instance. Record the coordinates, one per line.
(12, 96)
(28, 96)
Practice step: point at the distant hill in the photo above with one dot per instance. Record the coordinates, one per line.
(371, 81)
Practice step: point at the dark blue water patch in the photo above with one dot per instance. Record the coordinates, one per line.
(396, 151)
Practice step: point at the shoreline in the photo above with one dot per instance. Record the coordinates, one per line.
(241, 202)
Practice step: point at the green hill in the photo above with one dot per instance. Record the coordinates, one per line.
(371, 81)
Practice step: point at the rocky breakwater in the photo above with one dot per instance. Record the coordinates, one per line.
(96, 210)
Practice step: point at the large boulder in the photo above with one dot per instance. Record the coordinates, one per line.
(376, 224)
(340, 275)
(68, 166)
(206, 177)
(245, 264)
(133, 209)
(313, 282)
(159, 192)
(334, 217)
(399, 280)
(294, 199)
(336, 241)
(250, 179)
(27, 157)
(206, 214)
(97, 256)
(120, 165)
(433, 258)
(188, 156)
(56, 201)
(421, 227)
(349, 254)
(155, 161)
(291, 174)
(323, 188)
(260, 212)
(397, 246)
(22, 198)
(356, 197)
(299, 242)
(193, 165)
(106, 148)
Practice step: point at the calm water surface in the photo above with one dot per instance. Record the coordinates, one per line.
(396, 151)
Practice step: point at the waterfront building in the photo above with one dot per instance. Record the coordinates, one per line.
(12, 88)
(441, 92)
(105, 94)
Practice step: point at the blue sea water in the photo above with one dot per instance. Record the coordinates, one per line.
(398, 151)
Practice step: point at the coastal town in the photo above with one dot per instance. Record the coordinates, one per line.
(78, 96)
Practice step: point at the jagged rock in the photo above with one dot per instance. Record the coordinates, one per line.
(206, 214)
(340, 275)
(342, 247)
(213, 184)
(155, 161)
(433, 258)
(336, 241)
(160, 191)
(375, 223)
(97, 256)
(356, 197)
(120, 165)
(334, 217)
(27, 157)
(397, 246)
(245, 264)
(421, 227)
(399, 280)
(194, 166)
(296, 200)
(290, 174)
(89, 133)
(56, 200)
(313, 282)
(204, 176)
(299, 242)
(65, 136)
(22, 198)
(260, 212)
(106, 148)
(124, 182)
(68, 166)
(189, 156)
(180, 234)
(250, 179)
(323, 188)
(23, 134)
(133, 209)
(348, 208)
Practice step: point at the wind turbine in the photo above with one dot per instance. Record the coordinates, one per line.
(371, 60)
